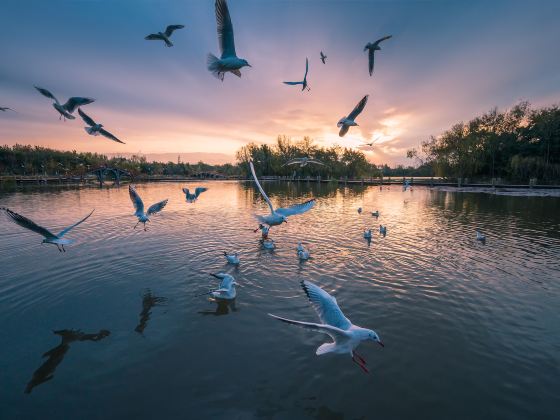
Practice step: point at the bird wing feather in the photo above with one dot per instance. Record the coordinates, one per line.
(155, 208)
(153, 37)
(76, 101)
(261, 188)
(335, 333)
(199, 190)
(225, 29)
(29, 224)
(169, 30)
(359, 108)
(136, 200)
(296, 208)
(46, 93)
(326, 306)
(69, 228)
(110, 136)
(87, 119)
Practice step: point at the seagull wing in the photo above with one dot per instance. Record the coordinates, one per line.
(343, 130)
(293, 83)
(46, 93)
(326, 306)
(315, 161)
(292, 162)
(376, 43)
(358, 109)
(29, 224)
(185, 190)
(371, 56)
(76, 101)
(335, 333)
(155, 208)
(87, 119)
(306, 68)
(169, 30)
(69, 228)
(153, 37)
(225, 29)
(105, 133)
(261, 188)
(136, 200)
(199, 190)
(296, 208)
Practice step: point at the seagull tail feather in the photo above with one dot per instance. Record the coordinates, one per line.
(213, 65)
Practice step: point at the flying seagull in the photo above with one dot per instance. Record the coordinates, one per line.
(372, 47)
(50, 238)
(69, 107)
(191, 198)
(164, 36)
(345, 335)
(323, 57)
(346, 122)
(303, 83)
(139, 207)
(279, 216)
(96, 129)
(303, 162)
(5, 108)
(228, 60)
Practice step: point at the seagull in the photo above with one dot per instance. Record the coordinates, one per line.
(5, 108)
(480, 236)
(232, 258)
(345, 335)
(279, 216)
(383, 230)
(346, 122)
(303, 83)
(372, 47)
(368, 144)
(50, 238)
(406, 184)
(228, 60)
(303, 255)
(191, 198)
(139, 207)
(227, 287)
(69, 107)
(367, 234)
(359, 210)
(300, 247)
(323, 57)
(96, 129)
(164, 36)
(375, 213)
(303, 162)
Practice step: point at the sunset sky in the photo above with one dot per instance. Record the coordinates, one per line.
(447, 61)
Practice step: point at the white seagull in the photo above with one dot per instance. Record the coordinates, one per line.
(227, 287)
(303, 255)
(50, 238)
(323, 57)
(69, 107)
(164, 36)
(345, 335)
(303, 162)
(232, 258)
(96, 129)
(480, 236)
(372, 47)
(280, 215)
(383, 230)
(139, 207)
(191, 198)
(303, 83)
(346, 122)
(367, 234)
(228, 60)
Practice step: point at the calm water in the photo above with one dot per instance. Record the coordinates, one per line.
(470, 330)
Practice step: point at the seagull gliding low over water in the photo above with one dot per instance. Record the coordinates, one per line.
(139, 207)
(164, 36)
(69, 107)
(303, 162)
(191, 198)
(346, 122)
(96, 129)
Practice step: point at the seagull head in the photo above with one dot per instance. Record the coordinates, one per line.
(284, 219)
(245, 63)
(372, 335)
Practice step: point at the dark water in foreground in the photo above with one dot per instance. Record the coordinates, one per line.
(471, 330)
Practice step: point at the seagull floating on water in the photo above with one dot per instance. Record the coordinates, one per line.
(345, 335)
(372, 47)
(191, 198)
(303, 161)
(227, 287)
(50, 238)
(323, 57)
(303, 83)
(346, 122)
(232, 258)
(375, 213)
(164, 36)
(228, 62)
(480, 236)
(300, 247)
(69, 107)
(303, 255)
(383, 230)
(359, 210)
(139, 207)
(96, 129)
(367, 234)
(280, 215)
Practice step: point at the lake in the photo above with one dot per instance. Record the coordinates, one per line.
(471, 330)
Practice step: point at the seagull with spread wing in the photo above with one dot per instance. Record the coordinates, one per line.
(164, 36)
(346, 122)
(191, 198)
(372, 47)
(280, 215)
(323, 57)
(303, 83)
(228, 62)
(345, 335)
(96, 129)
(227, 287)
(5, 108)
(303, 162)
(50, 238)
(69, 107)
(139, 207)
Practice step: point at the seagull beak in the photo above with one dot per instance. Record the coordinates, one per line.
(249, 65)
(381, 344)
(285, 221)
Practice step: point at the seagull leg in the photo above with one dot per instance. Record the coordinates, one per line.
(360, 362)
(360, 358)
(63, 250)
(145, 228)
(136, 225)
(59, 250)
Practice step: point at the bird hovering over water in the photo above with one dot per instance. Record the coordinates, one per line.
(232, 258)
(96, 129)
(49, 237)
(346, 122)
(164, 36)
(280, 215)
(139, 207)
(323, 57)
(69, 107)
(191, 198)
(303, 83)
(228, 62)
(345, 335)
(372, 47)
(303, 162)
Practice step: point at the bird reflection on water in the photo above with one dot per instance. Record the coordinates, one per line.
(148, 302)
(223, 307)
(45, 372)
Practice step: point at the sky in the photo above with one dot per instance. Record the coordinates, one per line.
(448, 61)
